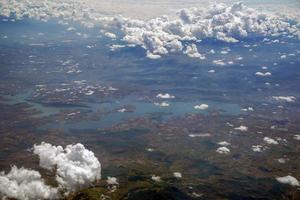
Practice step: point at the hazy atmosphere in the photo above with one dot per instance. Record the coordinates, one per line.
(161, 99)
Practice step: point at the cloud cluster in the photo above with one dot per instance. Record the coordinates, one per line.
(76, 167)
(25, 184)
(162, 35)
(233, 23)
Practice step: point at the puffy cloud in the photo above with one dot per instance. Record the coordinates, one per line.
(25, 184)
(285, 98)
(156, 178)
(270, 140)
(165, 96)
(263, 74)
(201, 107)
(110, 35)
(241, 128)
(177, 175)
(290, 180)
(76, 167)
(192, 51)
(223, 150)
(112, 180)
(257, 148)
(219, 62)
(162, 35)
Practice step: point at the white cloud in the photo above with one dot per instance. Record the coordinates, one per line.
(224, 143)
(192, 51)
(219, 62)
(162, 35)
(223, 150)
(112, 181)
(257, 148)
(25, 184)
(110, 35)
(201, 107)
(156, 178)
(297, 137)
(270, 140)
(162, 104)
(290, 180)
(263, 74)
(76, 167)
(177, 175)
(165, 96)
(241, 128)
(285, 98)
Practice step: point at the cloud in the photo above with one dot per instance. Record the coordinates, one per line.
(270, 140)
(224, 143)
(257, 148)
(162, 35)
(177, 175)
(290, 180)
(76, 167)
(112, 180)
(219, 62)
(156, 178)
(162, 104)
(25, 184)
(192, 51)
(201, 107)
(223, 150)
(288, 99)
(263, 74)
(110, 35)
(296, 137)
(165, 96)
(241, 128)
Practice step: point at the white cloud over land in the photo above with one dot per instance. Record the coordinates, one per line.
(25, 184)
(162, 35)
(76, 167)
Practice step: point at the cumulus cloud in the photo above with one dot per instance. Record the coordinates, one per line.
(223, 150)
(192, 51)
(285, 98)
(25, 184)
(110, 35)
(162, 35)
(263, 74)
(177, 175)
(270, 140)
(201, 107)
(76, 167)
(241, 128)
(257, 148)
(156, 178)
(290, 180)
(112, 181)
(165, 96)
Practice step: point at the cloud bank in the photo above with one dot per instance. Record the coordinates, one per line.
(162, 35)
